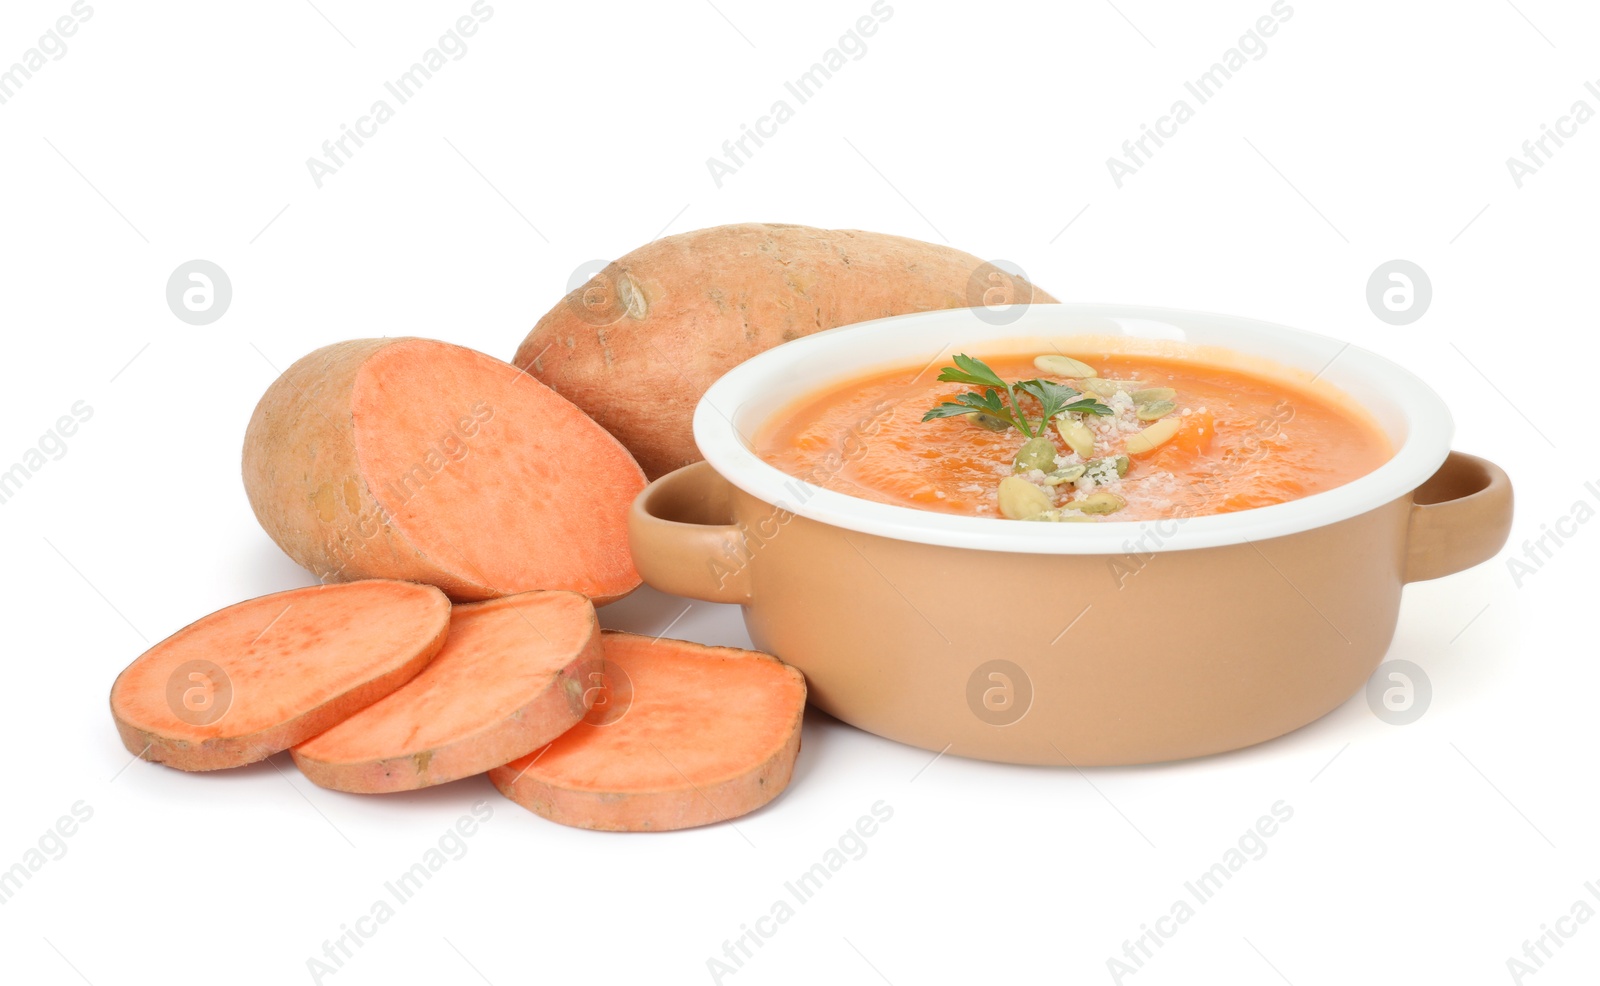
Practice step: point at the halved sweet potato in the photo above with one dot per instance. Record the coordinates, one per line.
(512, 677)
(260, 676)
(707, 734)
(414, 459)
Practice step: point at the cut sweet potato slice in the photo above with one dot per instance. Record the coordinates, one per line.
(260, 676)
(511, 678)
(415, 459)
(705, 734)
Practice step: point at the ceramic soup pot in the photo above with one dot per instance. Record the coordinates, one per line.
(1118, 642)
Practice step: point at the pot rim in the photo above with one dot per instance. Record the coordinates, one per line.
(1415, 418)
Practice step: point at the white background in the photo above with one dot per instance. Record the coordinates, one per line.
(1368, 131)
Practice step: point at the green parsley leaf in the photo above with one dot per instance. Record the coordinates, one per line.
(1089, 405)
(969, 369)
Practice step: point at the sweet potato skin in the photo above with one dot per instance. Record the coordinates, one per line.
(678, 801)
(306, 483)
(637, 345)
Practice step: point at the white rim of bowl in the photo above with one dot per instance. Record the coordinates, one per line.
(1419, 425)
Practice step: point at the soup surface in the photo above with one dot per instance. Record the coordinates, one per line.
(1166, 438)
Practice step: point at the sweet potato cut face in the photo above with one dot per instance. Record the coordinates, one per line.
(638, 344)
(415, 459)
(698, 735)
(511, 678)
(256, 678)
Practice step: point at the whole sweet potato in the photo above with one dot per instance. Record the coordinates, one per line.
(637, 345)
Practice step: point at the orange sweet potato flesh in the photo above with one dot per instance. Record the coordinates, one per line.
(510, 678)
(258, 677)
(418, 460)
(709, 734)
(638, 344)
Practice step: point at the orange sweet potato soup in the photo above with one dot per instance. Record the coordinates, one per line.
(1058, 438)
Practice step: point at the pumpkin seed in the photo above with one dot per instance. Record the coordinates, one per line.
(1150, 395)
(1036, 453)
(1076, 434)
(1154, 436)
(1156, 410)
(1066, 475)
(1100, 469)
(1063, 366)
(988, 421)
(1020, 499)
(1099, 503)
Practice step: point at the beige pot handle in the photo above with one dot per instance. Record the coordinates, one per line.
(1460, 517)
(683, 540)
